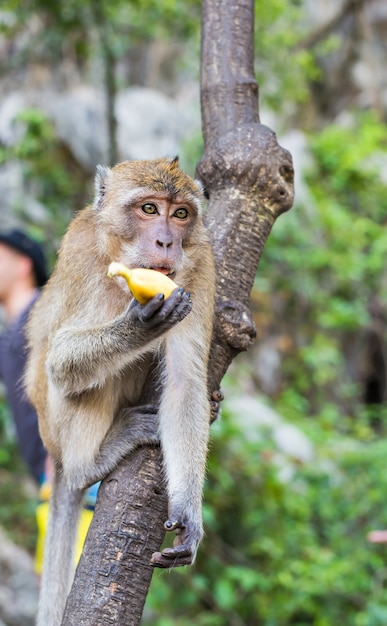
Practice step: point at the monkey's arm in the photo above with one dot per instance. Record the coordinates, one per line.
(83, 358)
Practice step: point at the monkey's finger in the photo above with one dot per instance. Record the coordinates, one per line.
(170, 557)
(175, 308)
(146, 409)
(151, 307)
(161, 306)
(181, 309)
(215, 411)
(144, 311)
(174, 301)
(180, 550)
(217, 395)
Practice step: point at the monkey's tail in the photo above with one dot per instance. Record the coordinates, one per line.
(58, 560)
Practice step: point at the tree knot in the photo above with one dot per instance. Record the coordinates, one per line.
(234, 325)
(249, 157)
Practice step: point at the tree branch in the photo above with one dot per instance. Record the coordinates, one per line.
(228, 85)
(247, 175)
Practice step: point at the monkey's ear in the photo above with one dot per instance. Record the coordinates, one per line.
(101, 178)
(202, 188)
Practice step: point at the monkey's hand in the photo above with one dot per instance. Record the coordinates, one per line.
(160, 314)
(185, 545)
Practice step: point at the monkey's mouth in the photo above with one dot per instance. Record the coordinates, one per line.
(167, 271)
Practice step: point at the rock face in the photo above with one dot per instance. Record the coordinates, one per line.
(149, 125)
(18, 585)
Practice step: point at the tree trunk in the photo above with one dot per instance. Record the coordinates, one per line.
(249, 180)
(248, 176)
(114, 574)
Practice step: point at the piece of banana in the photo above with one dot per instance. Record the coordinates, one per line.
(143, 283)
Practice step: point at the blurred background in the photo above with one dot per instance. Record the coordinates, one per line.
(297, 470)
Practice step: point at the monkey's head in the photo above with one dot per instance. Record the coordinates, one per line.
(149, 213)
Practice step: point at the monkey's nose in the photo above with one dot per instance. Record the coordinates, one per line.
(163, 244)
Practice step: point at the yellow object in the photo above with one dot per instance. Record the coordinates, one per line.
(143, 283)
(42, 513)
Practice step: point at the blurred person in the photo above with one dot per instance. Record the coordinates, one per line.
(22, 273)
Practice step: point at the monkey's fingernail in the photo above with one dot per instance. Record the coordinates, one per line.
(181, 291)
(171, 524)
(187, 295)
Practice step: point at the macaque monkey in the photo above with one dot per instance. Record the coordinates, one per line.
(92, 346)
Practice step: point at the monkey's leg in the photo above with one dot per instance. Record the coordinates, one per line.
(132, 427)
(184, 429)
(58, 563)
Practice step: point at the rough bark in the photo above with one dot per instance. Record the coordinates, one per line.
(248, 176)
(114, 570)
(249, 180)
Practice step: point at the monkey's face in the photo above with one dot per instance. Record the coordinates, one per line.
(156, 232)
(150, 214)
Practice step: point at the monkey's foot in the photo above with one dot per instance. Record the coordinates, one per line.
(172, 557)
(184, 547)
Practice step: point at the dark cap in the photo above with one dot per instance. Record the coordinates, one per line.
(21, 242)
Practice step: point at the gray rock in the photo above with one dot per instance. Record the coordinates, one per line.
(18, 585)
(10, 107)
(79, 119)
(151, 125)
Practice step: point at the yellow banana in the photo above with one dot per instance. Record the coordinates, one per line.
(143, 283)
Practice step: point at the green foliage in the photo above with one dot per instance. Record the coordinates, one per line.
(51, 175)
(327, 259)
(280, 553)
(279, 27)
(17, 510)
(64, 30)
(152, 19)
(5, 436)
(70, 25)
(296, 553)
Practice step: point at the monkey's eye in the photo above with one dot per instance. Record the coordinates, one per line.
(149, 208)
(181, 213)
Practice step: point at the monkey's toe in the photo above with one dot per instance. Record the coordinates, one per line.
(177, 556)
(172, 524)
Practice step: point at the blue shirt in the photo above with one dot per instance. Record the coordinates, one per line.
(13, 354)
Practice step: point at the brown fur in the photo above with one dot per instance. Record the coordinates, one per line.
(90, 353)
